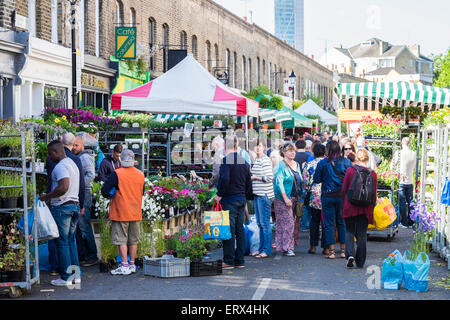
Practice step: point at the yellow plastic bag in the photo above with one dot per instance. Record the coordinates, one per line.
(383, 214)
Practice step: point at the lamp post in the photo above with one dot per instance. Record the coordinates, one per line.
(293, 78)
(73, 4)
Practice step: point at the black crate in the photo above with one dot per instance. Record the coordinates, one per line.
(206, 268)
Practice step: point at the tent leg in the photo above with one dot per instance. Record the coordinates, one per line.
(246, 132)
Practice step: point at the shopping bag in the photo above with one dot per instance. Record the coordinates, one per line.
(217, 223)
(384, 214)
(252, 236)
(416, 272)
(21, 224)
(392, 271)
(445, 198)
(46, 225)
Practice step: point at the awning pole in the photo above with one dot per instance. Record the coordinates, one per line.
(246, 132)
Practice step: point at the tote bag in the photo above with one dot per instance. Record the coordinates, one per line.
(216, 223)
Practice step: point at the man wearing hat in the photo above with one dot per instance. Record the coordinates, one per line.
(125, 210)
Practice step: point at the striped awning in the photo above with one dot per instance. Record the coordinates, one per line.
(180, 117)
(404, 91)
(267, 114)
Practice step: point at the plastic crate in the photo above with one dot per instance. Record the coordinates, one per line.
(167, 267)
(206, 268)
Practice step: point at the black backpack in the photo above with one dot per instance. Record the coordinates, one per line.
(362, 189)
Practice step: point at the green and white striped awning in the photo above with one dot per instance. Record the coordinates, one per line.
(271, 114)
(404, 91)
(180, 117)
(267, 114)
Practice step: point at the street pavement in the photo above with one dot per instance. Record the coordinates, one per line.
(303, 277)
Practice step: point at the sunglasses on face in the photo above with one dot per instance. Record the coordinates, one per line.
(347, 148)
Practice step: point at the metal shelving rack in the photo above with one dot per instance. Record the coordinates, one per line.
(155, 144)
(435, 167)
(106, 140)
(391, 230)
(16, 289)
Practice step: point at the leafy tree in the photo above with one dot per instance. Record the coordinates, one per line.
(255, 92)
(264, 103)
(276, 103)
(297, 104)
(317, 99)
(442, 70)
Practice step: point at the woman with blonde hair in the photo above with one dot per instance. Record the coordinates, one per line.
(287, 189)
(358, 210)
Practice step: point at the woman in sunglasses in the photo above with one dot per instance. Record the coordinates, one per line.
(287, 189)
(348, 151)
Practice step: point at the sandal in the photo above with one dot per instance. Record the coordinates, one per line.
(262, 255)
(331, 255)
(254, 254)
(343, 254)
(326, 252)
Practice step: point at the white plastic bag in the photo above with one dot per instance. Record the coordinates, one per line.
(254, 240)
(46, 225)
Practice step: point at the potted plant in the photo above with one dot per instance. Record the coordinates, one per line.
(10, 180)
(12, 254)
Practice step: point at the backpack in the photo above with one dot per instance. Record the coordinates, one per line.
(362, 189)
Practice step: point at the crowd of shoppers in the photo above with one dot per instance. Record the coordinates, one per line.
(301, 183)
(71, 171)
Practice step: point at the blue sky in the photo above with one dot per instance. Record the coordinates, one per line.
(347, 22)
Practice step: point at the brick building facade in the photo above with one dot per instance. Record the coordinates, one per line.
(215, 36)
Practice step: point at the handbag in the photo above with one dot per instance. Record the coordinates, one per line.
(46, 225)
(298, 207)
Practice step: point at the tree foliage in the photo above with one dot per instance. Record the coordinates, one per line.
(441, 70)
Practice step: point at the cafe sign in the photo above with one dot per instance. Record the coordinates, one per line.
(125, 42)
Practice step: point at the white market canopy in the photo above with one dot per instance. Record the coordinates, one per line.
(187, 88)
(400, 91)
(311, 108)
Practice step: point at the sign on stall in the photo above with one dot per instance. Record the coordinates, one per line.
(289, 84)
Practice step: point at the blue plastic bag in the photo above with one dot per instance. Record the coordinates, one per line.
(248, 233)
(416, 272)
(21, 224)
(100, 156)
(392, 271)
(445, 198)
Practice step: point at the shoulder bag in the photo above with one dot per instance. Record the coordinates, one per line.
(298, 206)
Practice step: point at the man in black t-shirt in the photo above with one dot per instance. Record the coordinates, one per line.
(301, 156)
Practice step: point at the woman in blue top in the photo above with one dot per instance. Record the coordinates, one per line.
(331, 172)
(286, 196)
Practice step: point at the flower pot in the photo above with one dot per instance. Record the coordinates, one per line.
(107, 266)
(139, 262)
(9, 203)
(14, 276)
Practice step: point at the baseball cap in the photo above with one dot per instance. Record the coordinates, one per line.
(127, 158)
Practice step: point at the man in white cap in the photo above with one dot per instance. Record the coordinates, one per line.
(125, 210)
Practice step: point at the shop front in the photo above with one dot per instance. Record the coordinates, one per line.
(46, 79)
(96, 79)
(11, 52)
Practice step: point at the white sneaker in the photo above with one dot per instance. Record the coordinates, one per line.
(60, 282)
(290, 253)
(132, 268)
(121, 270)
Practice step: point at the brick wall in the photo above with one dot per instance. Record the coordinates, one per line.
(43, 19)
(6, 10)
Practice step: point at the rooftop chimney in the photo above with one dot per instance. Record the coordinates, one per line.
(415, 49)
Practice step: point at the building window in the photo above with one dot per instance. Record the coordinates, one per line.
(194, 47)
(249, 74)
(95, 99)
(97, 27)
(183, 40)
(55, 97)
(165, 38)
(234, 69)
(54, 20)
(263, 69)
(216, 55)
(152, 42)
(208, 55)
(243, 83)
(132, 17)
(119, 13)
(227, 64)
(258, 80)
